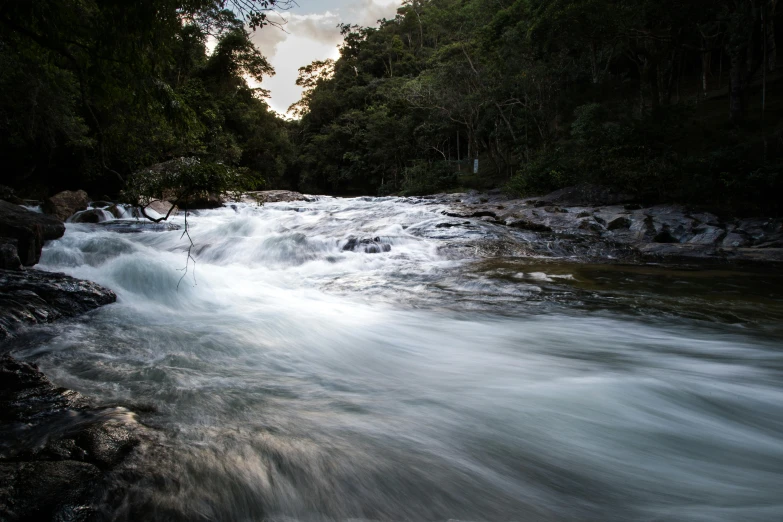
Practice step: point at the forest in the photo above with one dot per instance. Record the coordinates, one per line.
(671, 101)
(503, 260)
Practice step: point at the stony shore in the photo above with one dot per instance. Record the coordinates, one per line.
(604, 226)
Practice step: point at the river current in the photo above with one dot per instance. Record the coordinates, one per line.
(369, 359)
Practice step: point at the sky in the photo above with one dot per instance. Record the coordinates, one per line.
(310, 33)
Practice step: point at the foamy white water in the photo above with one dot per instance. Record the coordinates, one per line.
(349, 359)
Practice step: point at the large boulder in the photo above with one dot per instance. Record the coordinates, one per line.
(29, 229)
(203, 200)
(32, 297)
(163, 207)
(66, 203)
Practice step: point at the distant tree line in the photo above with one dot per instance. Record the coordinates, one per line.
(665, 98)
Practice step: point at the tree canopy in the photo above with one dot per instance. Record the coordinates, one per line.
(667, 99)
(93, 90)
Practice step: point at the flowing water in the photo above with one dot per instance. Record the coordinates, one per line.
(369, 359)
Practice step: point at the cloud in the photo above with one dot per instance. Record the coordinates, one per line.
(306, 37)
(368, 12)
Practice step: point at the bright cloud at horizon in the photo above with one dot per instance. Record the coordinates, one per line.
(310, 33)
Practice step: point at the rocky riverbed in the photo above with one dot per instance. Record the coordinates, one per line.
(250, 376)
(598, 225)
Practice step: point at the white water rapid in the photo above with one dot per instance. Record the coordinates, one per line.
(350, 359)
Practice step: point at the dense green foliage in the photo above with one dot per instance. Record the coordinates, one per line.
(670, 100)
(93, 90)
(662, 98)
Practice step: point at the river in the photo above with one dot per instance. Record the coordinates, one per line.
(409, 374)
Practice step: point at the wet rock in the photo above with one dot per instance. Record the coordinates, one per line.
(137, 226)
(735, 240)
(93, 215)
(367, 245)
(618, 223)
(707, 235)
(9, 257)
(32, 297)
(66, 203)
(664, 235)
(590, 225)
(57, 446)
(705, 218)
(451, 225)
(470, 213)
(641, 228)
(29, 229)
(624, 231)
(760, 230)
(527, 224)
(47, 490)
(115, 211)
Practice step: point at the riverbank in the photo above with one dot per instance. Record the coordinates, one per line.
(58, 448)
(595, 224)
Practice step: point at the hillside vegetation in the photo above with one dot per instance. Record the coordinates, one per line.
(670, 100)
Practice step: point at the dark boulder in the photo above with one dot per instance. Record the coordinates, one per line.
(67, 203)
(374, 245)
(29, 229)
(92, 215)
(34, 297)
(9, 257)
(57, 446)
(42, 490)
(618, 223)
(204, 200)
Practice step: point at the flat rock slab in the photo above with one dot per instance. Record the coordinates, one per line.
(31, 297)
